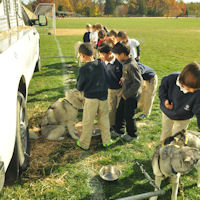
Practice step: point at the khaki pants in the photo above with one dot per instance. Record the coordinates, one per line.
(148, 94)
(171, 127)
(113, 99)
(91, 108)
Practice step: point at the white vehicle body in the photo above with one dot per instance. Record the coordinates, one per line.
(19, 54)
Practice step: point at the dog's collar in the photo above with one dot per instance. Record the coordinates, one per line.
(64, 99)
(173, 170)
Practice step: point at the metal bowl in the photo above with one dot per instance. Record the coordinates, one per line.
(110, 173)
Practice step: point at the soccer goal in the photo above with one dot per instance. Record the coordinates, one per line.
(49, 10)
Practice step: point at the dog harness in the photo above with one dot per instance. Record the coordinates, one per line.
(172, 169)
(64, 99)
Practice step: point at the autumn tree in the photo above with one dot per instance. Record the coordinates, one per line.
(109, 7)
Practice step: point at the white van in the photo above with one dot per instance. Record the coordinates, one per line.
(19, 58)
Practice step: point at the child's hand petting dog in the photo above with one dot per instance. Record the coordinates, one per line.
(168, 104)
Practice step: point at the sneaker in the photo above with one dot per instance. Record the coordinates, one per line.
(142, 116)
(127, 138)
(114, 134)
(79, 145)
(107, 145)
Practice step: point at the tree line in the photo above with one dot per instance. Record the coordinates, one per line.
(93, 8)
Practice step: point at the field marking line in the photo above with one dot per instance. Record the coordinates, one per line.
(65, 70)
(93, 182)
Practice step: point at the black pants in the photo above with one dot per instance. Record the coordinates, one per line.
(125, 117)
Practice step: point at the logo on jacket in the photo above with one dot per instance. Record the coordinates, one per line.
(187, 107)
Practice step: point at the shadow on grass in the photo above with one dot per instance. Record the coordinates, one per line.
(57, 69)
(46, 90)
(131, 185)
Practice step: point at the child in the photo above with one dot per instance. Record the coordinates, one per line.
(113, 71)
(91, 80)
(102, 37)
(131, 90)
(134, 44)
(86, 37)
(112, 38)
(94, 36)
(149, 86)
(179, 95)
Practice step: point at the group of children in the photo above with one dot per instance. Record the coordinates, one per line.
(115, 84)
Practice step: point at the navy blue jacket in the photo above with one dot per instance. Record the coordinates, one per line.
(185, 106)
(113, 74)
(146, 71)
(86, 37)
(91, 80)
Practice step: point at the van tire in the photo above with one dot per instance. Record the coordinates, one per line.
(21, 154)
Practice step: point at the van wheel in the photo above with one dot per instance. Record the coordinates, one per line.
(21, 154)
(38, 66)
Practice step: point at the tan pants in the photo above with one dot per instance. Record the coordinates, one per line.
(91, 108)
(171, 127)
(148, 94)
(113, 99)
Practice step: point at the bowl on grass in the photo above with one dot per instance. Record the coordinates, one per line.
(110, 173)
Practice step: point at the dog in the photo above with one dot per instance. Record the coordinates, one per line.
(177, 155)
(77, 55)
(61, 115)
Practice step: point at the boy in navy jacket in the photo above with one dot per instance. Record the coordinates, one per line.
(113, 72)
(91, 80)
(179, 95)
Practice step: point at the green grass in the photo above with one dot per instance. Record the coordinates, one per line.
(65, 172)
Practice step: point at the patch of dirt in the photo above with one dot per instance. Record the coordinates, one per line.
(141, 124)
(47, 155)
(69, 31)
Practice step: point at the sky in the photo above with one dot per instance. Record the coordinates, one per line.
(186, 1)
(194, 1)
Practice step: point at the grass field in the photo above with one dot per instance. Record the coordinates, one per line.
(59, 170)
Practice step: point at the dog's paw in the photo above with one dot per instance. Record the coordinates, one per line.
(60, 138)
(75, 137)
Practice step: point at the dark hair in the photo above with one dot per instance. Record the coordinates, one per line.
(94, 26)
(86, 49)
(113, 33)
(121, 47)
(104, 48)
(102, 34)
(190, 75)
(99, 26)
(121, 34)
(110, 42)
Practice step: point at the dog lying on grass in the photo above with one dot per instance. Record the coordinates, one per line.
(178, 155)
(61, 115)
